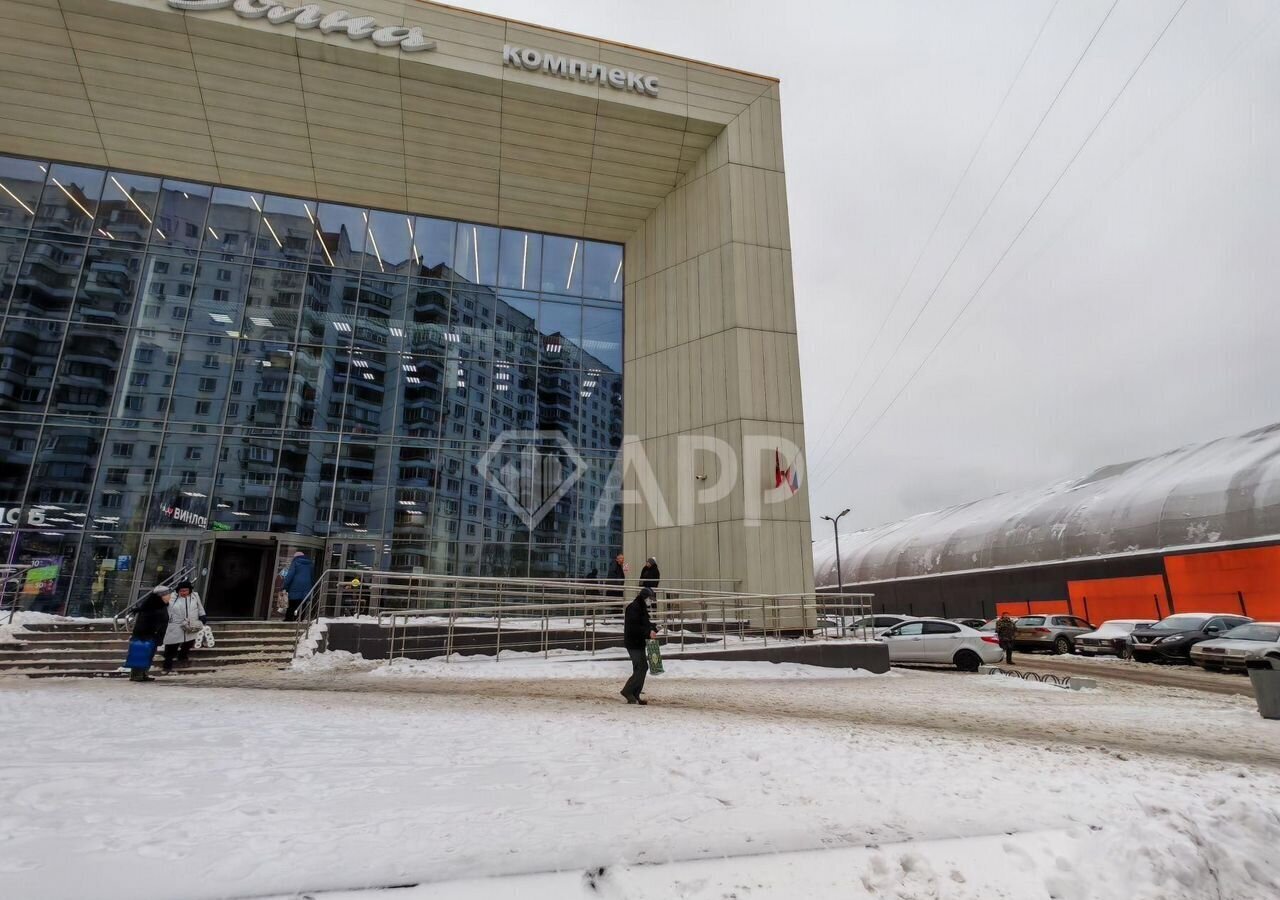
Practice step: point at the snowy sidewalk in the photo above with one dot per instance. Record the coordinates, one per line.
(166, 792)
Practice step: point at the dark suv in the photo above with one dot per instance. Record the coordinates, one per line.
(1172, 638)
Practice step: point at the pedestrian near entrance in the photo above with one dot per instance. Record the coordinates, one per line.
(637, 629)
(149, 627)
(1006, 631)
(617, 576)
(186, 621)
(649, 575)
(297, 584)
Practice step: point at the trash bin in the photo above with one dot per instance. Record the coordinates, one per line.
(1266, 687)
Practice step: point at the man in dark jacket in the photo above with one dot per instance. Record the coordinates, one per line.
(617, 576)
(649, 575)
(297, 584)
(1006, 631)
(637, 629)
(150, 624)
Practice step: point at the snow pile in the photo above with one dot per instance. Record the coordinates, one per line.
(332, 662)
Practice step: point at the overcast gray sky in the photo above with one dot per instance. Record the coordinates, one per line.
(1137, 311)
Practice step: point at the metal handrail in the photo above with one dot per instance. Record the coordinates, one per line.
(520, 606)
(178, 576)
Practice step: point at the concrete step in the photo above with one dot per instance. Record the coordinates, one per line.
(50, 637)
(95, 673)
(119, 651)
(123, 641)
(78, 664)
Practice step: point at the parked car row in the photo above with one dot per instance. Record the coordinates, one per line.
(1214, 641)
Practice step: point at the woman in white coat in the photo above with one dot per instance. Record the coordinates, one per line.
(186, 620)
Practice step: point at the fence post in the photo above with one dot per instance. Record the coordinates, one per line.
(1243, 609)
(497, 638)
(1085, 601)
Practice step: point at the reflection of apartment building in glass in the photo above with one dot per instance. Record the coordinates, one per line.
(227, 338)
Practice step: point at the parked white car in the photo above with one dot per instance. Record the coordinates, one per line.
(876, 625)
(940, 641)
(1257, 640)
(1111, 638)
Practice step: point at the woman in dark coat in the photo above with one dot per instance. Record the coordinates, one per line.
(148, 632)
(649, 575)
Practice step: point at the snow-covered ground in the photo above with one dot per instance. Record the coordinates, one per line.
(262, 784)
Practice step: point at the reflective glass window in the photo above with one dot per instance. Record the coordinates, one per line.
(562, 264)
(433, 247)
(180, 215)
(21, 183)
(233, 223)
(602, 275)
(476, 254)
(390, 239)
(70, 201)
(46, 280)
(109, 284)
(287, 230)
(88, 369)
(29, 351)
(340, 237)
(520, 262)
(602, 337)
(128, 207)
(177, 357)
(218, 294)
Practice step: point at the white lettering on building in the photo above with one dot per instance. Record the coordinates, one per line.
(186, 516)
(13, 515)
(618, 79)
(311, 15)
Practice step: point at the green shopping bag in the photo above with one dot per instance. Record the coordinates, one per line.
(655, 656)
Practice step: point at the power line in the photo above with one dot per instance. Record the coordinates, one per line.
(976, 225)
(1016, 237)
(938, 223)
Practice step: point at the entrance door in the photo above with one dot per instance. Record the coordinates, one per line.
(236, 578)
(161, 557)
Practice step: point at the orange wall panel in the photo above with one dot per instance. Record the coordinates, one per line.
(1139, 597)
(1214, 582)
(1017, 608)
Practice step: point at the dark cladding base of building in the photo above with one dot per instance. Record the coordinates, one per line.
(872, 657)
(373, 641)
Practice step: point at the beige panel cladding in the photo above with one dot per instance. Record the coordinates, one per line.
(691, 180)
(450, 131)
(711, 351)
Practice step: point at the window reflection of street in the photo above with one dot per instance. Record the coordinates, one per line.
(176, 357)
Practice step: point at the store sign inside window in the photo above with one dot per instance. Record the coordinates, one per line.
(311, 15)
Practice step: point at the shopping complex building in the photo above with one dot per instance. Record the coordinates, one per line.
(282, 276)
(1196, 529)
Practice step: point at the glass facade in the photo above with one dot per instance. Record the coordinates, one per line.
(178, 358)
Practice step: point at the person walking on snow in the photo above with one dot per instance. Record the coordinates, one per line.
(637, 629)
(186, 619)
(1006, 631)
(297, 584)
(149, 626)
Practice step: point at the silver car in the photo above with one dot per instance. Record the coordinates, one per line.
(1054, 633)
(1257, 640)
(1111, 638)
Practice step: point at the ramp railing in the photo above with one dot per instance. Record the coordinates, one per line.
(436, 615)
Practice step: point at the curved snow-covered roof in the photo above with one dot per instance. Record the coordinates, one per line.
(1222, 491)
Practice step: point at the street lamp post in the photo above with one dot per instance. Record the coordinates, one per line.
(835, 528)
